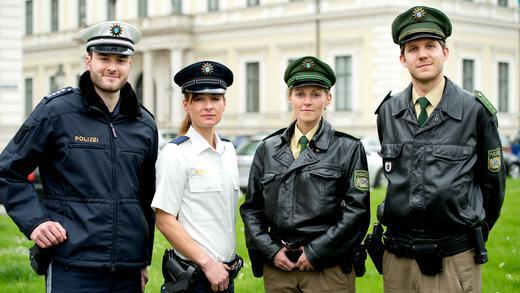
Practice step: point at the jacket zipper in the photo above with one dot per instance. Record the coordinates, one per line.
(112, 131)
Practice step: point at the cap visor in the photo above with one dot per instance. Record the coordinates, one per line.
(207, 91)
(112, 50)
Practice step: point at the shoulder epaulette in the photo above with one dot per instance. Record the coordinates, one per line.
(339, 133)
(384, 100)
(59, 93)
(279, 131)
(180, 140)
(147, 111)
(487, 104)
(225, 139)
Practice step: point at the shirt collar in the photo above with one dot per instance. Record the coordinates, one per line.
(200, 144)
(434, 96)
(298, 134)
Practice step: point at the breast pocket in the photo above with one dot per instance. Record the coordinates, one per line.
(323, 185)
(206, 197)
(391, 154)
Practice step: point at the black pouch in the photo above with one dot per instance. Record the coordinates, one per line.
(293, 254)
(428, 258)
(360, 256)
(40, 259)
(375, 247)
(179, 274)
(235, 267)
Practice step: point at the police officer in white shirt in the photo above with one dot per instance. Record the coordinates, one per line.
(197, 180)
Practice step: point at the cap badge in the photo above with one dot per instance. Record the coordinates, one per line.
(308, 64)
(116, 30)
(207, 69)
(419, 13)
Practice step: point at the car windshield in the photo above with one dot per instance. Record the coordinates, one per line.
(248, 148)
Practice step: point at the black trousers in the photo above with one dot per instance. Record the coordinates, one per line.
(66, 279)
(203, 286)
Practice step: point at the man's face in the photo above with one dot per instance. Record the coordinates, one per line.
(424, 59)
(108, 72)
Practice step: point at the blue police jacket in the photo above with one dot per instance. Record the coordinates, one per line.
(98, 175)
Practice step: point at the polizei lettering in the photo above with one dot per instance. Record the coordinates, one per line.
(86, 139)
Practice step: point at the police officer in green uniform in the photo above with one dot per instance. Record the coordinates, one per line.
(307, 206)
(443, 160)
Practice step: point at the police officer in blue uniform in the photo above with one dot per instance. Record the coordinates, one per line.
(197, 182)
(443, 161)
(96, 148)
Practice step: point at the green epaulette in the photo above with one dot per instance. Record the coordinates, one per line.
(388, 96)
(487, 104)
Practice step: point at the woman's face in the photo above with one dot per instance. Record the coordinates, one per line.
(308, 103)
(205, 110)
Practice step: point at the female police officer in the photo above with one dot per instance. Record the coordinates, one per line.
(307, 205)
(197, 179)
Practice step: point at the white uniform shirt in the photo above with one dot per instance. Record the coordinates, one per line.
(199, 185)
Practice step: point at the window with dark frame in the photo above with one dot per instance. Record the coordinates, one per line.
(54, 16)
(29, 17)
(176, 6)
(502, 3)
(142, 9)
(503, 86)
(82, 13)
(343, 98)
(468, 74)
(252, 86)
(213, 5)
(111, 9)
(253, 2)
(28, 96)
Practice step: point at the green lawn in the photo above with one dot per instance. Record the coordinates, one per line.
(501, 273)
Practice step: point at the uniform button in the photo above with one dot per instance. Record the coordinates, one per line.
(436, 119)
(113, 270)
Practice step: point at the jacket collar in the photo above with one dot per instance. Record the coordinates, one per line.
(321, 139)
(451, 102)
(129, 104)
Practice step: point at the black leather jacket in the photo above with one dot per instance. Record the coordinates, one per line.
(98, 175)
(320, 200)
(445, 177)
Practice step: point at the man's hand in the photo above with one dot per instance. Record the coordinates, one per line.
(303, 262)
(281, 261)
(217, 275)
(144, 278)
(48, 234)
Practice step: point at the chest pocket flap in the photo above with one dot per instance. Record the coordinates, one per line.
(452, 152)
(326, 172)
(391, 151)
(205, 184)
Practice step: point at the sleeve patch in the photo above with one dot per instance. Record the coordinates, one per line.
(494, 160)
(361, 181)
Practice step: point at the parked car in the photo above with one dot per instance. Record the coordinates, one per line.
(374, 160)
(511, 161)
(165, 136)
(245, 154)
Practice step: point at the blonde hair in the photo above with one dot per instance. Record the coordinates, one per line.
(186, 123)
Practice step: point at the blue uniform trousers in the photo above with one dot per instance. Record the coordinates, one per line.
(67, 279)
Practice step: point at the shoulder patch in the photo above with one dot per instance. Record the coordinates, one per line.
(147, 111)
(180, 140)
(388, 96)
(58, 93)
(279, 131)
(487, 104)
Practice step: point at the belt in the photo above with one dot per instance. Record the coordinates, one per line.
(412, 250)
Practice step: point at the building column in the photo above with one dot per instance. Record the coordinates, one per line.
(176, 110)
(148, 91)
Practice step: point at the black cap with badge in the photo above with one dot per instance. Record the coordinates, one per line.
(111, 37)
(207, 77)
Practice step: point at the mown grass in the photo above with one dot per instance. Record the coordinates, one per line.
(500, 275)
